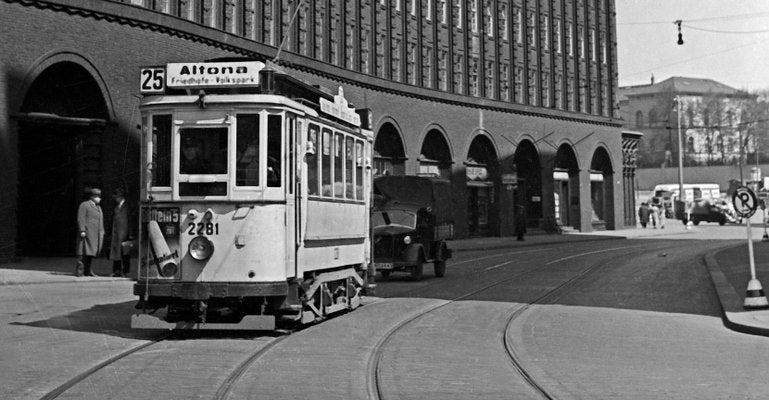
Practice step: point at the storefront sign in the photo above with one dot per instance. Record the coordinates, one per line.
(477, 173)
(340, 109)
(509, 179)
(223, 74)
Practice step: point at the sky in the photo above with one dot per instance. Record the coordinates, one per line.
(724, 40)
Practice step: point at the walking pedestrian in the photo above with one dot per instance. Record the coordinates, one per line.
(520, 222)
(661, 213)
(643, 214)
(90, 222)
(119, 253)
(654, 214)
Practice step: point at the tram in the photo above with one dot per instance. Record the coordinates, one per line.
(255, 198)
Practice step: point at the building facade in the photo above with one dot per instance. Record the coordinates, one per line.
(514, 101)
(716, 122)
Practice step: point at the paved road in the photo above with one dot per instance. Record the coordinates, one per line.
(606, 319)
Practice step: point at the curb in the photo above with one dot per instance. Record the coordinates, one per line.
(728, 298)
(97, 280)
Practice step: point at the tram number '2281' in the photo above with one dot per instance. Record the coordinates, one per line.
(203, 229)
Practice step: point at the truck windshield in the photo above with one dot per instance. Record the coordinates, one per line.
(394, 217)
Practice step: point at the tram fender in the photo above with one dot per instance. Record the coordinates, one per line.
(413, 254)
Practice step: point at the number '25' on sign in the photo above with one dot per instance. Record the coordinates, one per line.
(153, 80)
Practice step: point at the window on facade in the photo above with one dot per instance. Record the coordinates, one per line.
(334, 41)
(338, 165)
(604, 50)
(396, 59)
(428, 9)
(365, 50)
(427, 64)
(544, 31)
(380, 67)
(489, 17)
(557, 91)
(458, 13)
(442, 70)
(397, 5)
(504, 82)
(517, 29)
(473, 77)
(459, 62)
(267, 26)
(247, 150)
(302, 22)
(503, 23)
(571, 104)
(320, 18)
(349, 54)
(557, 35)
(639, 119)
(593, 46)
(442, 11)
(545, 87)
(518, 84)
(411, 63)
(569, 40)
(313, 160)
(531, 28)
(489, 80)
(412, 6)
(605, 100)
(472, 15)
(531, 86)
(582, 96)
(581, 41)
(161, 150)
(325, 162)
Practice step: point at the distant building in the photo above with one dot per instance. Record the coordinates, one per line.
(715, 119)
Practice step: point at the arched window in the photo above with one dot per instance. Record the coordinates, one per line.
(639, 119)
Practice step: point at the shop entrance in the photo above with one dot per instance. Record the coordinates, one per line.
(478, 202)
(60, 130)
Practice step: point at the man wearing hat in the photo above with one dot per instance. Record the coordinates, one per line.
(192, 158)
(91, 224)
(121, 259)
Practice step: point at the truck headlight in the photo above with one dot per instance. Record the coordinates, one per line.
(201, 248)
(407, 240)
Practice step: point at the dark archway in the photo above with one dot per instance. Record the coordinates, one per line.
(435, 156)
(389, 153)
(60, 128)
(602, 190)
(566, 187)
(482, 170)
(529, 190)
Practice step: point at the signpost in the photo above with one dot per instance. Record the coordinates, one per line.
(745, 204)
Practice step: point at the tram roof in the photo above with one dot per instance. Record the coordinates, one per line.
(254, 99)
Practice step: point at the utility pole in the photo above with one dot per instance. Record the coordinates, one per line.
(681, 193)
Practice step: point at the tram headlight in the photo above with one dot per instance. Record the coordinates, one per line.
(201, 248)
(407, 240)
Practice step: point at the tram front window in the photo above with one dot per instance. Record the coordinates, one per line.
(203, 152)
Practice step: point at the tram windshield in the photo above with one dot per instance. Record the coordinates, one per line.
(394, 217)
(203, 151)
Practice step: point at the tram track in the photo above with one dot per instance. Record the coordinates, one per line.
(225, 389)
(63, 388)
(374, 367)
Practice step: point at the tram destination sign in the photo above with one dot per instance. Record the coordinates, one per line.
(200, 75)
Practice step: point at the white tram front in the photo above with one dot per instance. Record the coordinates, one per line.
(255, 202)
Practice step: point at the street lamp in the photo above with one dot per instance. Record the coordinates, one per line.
(681, 193)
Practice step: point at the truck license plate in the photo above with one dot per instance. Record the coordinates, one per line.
(383, 265)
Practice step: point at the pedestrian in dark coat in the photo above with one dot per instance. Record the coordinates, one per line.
(120, 256)
(520, 221)
(90, 222)
(643, 214)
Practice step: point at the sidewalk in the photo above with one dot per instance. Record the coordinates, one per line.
(729, 268)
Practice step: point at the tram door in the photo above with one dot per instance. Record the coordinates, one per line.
(57, 160)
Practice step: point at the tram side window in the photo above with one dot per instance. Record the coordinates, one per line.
(274, 159)
(161, 150)
(312, 160)
(349, 149)
(359, 157)
(338, 162)
(325, 170)
(247, 170)
(203, 151)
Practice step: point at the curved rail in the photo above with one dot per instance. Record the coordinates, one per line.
(225, 388)
(55, 393)
(374, 383)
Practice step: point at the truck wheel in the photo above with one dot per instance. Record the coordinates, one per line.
(695, 221)
(722, 222)
(440, 268)
(416, 271)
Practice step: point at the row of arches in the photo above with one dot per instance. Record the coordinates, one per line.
(485, 177)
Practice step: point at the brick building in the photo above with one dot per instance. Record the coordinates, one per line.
(514, 101)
